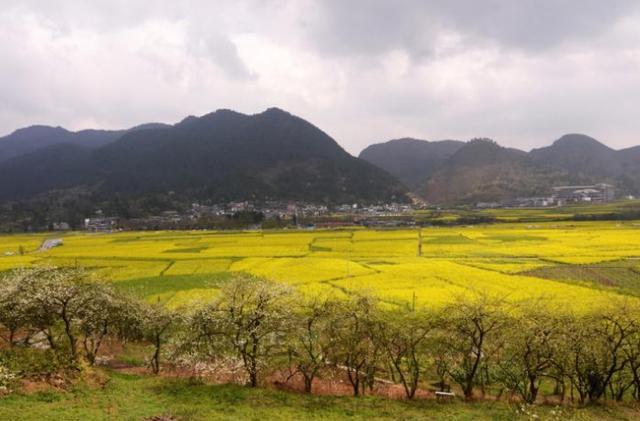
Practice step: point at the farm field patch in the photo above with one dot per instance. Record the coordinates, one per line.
(576, 264)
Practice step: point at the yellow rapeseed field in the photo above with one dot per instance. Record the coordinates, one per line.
(516, 261)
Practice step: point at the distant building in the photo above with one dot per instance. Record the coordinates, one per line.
(239, 206)
(61, 226)
(529, 202)
(596, 193)
(488, 205)
(101, 224)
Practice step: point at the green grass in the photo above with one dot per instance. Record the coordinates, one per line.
(192, 250)
(134, 397)
(620, 276)
(144, 287)
(450, 239)
(515, 238)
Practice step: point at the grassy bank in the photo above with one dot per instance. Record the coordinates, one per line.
(136, 397)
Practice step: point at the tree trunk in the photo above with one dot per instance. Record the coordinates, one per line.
(88, 351)
(533, 390)
(354, 379)
(468, 391)
(155, 361)
(70, 336)
(253, 371)
(308, 383)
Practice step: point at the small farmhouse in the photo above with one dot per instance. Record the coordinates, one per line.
(102, 224)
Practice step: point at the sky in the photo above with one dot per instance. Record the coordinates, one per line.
(522, 72)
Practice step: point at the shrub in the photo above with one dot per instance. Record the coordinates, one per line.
(7, 379)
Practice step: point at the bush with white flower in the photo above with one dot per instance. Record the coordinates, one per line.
(7, 379)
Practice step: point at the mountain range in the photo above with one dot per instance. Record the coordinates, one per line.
(228, 156)
(30, 139)
(453, 172)
(221, 156)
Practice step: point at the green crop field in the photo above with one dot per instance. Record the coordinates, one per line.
(574, 264)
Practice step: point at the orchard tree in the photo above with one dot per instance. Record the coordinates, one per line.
(309, 342)
(355, 347)
(107, 313)
(403, 335)
(470, 328)
(533, 338)
(14, 316)
(250, 320)
(58, 297)
(632, 353)
(597, 351)
(156, 323)
(65, 304)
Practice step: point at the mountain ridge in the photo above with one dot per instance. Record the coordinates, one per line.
(220, 156)
(274, 154)
(32, 138)
(482, 170)
(413, 160)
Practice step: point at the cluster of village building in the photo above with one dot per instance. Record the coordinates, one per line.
(561, 196)
(294, 211)
(322, 215)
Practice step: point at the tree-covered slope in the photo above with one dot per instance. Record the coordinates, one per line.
(482, 170)
(412, 161)
(221, 156)
(34, 138)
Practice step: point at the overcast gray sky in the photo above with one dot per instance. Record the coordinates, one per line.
(522, 72)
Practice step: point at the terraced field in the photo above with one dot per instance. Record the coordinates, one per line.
(575, 265)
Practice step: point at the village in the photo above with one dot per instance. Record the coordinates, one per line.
(251, 215)
(560, 196)
(300, 215)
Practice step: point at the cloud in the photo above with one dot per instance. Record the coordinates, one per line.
(379, 26)
(521, 72)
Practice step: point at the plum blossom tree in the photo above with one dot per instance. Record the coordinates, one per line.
(249, 320)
